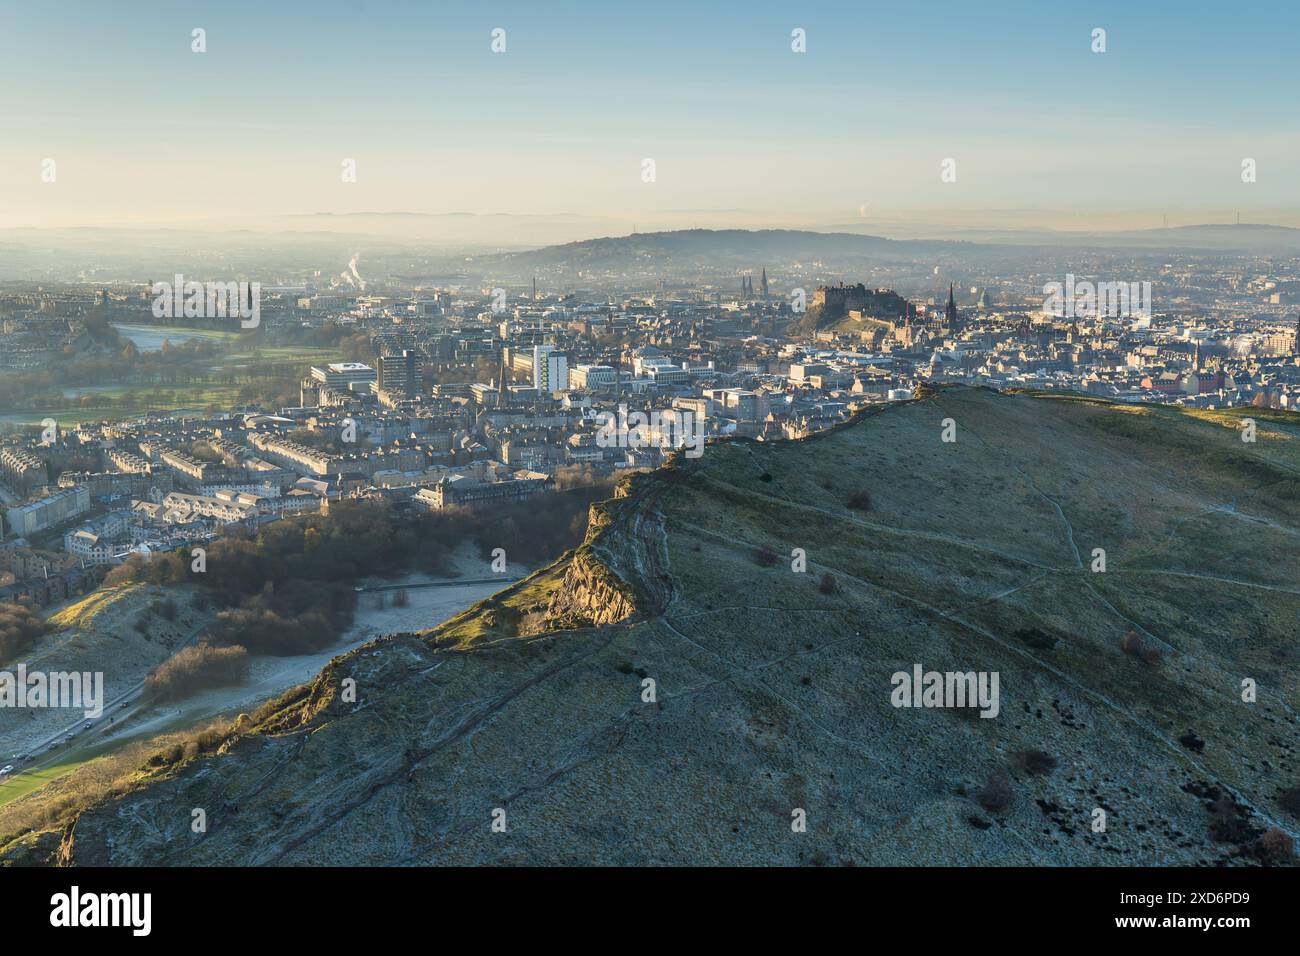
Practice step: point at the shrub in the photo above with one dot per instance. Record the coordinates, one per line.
(1033, 762)
(165, 609)
(1228, 823)
(827, 585)
(1289, 800)
(20, 626)
(1132, 643)
(859, 500)
(1276, 845)
(995, 796)
(1035, 638)
(765, 557)
(197, 668)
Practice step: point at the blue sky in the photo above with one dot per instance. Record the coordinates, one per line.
(143, 129)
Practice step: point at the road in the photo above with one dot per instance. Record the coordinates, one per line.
(77, 734)
(59, 747)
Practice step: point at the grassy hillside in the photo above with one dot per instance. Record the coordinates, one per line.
(1120, 690)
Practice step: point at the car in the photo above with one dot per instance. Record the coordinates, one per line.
(8, 768)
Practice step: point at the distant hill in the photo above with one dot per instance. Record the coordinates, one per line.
(710, 250)
(1262, 239)
(674, 691)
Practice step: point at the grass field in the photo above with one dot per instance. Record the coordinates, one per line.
(14, 787)
(83, 613)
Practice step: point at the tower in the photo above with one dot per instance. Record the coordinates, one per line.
(764, 282)
(950, 310)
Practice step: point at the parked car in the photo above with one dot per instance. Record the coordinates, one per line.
(7, 768)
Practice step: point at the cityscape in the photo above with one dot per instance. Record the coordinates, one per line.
(564, 437)
(460, 396)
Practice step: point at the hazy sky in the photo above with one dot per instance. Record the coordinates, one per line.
(142, 130)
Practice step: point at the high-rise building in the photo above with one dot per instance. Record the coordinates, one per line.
(400, 374)
(550, 370)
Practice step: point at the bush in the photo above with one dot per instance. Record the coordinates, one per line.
(1276, 845)
(1033, 762)
(20, 626)
(1228, 821)
(1037, 639)
(859, 500)
(1289, 800)
(995, 796)
(827, 585)
(765, 557)
(197, 668)
(1134, 647)
(263, 631)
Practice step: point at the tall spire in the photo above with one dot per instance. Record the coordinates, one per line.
(950, 310)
